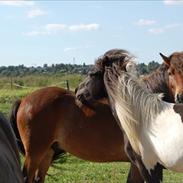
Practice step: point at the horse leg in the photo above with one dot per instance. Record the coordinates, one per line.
(44, 166)
(31, 165)
(29, 169)
(136, 160)
(157, 173)
(134, 175)
(152, 176)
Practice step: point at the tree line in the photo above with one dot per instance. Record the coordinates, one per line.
(22, 70)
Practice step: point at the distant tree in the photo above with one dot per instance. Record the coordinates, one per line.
(153, 66)
(142, 68)
(45, 65)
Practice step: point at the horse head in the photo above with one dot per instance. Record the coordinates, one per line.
(175, 74)
(93, 88)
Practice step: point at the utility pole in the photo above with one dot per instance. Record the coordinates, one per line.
(74, 59)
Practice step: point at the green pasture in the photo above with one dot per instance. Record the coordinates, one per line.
(12, 88)
(74, 170)
(69, 169)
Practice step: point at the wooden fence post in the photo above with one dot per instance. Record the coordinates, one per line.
(67, 85)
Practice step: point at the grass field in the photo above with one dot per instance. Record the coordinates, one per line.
(70, 169)
(74, 170)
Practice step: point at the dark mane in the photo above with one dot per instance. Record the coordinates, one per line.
(92, 88)
(157, 82)
(111, 56)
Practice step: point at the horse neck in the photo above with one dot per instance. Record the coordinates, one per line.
(136, 108)
(157, 82)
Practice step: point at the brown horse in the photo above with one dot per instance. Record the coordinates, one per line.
(52, 119)
(10, 169)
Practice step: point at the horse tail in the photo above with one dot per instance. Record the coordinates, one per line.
(13, 122)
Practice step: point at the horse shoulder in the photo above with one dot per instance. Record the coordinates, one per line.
(166, 133)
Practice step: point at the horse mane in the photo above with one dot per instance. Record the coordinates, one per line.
(83, 92)
(111, 56)
(134, 105)
(157, 82)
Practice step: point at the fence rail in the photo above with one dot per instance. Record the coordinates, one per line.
(66, 82)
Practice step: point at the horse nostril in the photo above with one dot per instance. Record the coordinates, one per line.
(179, 98)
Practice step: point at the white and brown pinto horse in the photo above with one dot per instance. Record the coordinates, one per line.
(10, 169)
(153, 127)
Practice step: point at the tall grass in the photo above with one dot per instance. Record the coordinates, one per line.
(33, 81)
(18, 87)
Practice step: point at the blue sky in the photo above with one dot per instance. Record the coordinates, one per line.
(37, 32)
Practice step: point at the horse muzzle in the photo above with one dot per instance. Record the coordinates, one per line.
(179, 98)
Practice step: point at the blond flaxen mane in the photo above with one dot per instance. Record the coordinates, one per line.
(134, 106)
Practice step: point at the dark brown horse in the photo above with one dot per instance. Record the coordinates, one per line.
(52, 119)
(10, 169)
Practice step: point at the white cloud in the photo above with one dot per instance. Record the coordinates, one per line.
(35, 12)
(79, 27)
(17, 3)
(160, 30)
(55, 27)
(145, 22)
(70, 49)
(156, 30)
(173, 2)
(84, 27)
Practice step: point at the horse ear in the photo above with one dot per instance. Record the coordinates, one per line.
(165, 59)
